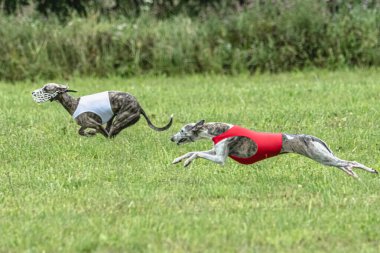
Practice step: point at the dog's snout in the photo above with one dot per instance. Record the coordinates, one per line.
(172, 139)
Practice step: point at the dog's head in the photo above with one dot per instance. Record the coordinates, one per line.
(49, 92)
(188, 133)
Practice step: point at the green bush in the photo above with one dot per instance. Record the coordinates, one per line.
(286, 36)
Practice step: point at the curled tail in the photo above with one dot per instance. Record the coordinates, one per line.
(153, 126)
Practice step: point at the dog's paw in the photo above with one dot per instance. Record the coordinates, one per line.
(187, 163)
(177, 160)
(89, 133)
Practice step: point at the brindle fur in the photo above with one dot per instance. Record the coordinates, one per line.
(238, 146)
(242, 147)
(125, 107)
(306, 145)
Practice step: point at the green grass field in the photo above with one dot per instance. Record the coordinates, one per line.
(60, 192)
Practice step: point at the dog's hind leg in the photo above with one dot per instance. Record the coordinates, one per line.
(122, 121)
(355, 164)
(318, 150)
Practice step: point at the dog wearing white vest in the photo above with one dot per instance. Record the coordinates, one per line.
(114, 109)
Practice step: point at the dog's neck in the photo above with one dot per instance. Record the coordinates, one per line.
(210, 130)
(68, 102)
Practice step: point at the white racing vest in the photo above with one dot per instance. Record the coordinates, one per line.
(98, 103)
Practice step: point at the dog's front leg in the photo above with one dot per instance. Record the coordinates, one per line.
(100, 129)
(89, 133)
(209, 155)
(182, 157)
(217, 155)
(192, 154)
(109, 124)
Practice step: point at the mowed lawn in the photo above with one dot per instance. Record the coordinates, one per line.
(60, 192)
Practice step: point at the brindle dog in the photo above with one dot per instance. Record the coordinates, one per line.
(244, 147)
(126, 111)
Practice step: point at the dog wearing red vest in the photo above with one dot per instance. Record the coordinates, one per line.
(246, 146)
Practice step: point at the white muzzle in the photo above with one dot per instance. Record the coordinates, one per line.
(41, 97)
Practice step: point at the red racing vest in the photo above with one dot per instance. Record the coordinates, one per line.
(268, 144)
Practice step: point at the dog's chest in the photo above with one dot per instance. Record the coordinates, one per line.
(98, 103)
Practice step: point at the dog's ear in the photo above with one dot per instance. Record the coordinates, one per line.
(69, 90)
(198, 125)
(62, 88)
(65, 88)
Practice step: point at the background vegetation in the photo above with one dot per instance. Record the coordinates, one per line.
(163, 9)
(50, 39)
(60, 192)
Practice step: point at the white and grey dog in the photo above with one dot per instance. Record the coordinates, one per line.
(246, 146)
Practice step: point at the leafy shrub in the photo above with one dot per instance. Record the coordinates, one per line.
(286, 36)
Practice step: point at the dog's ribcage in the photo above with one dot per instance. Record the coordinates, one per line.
(237, 146)
(241, 147)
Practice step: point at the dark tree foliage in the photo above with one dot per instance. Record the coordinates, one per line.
(61, 8)
(12, 6)
(160, 8)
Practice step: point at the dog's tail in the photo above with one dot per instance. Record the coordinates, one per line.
(153, 126)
